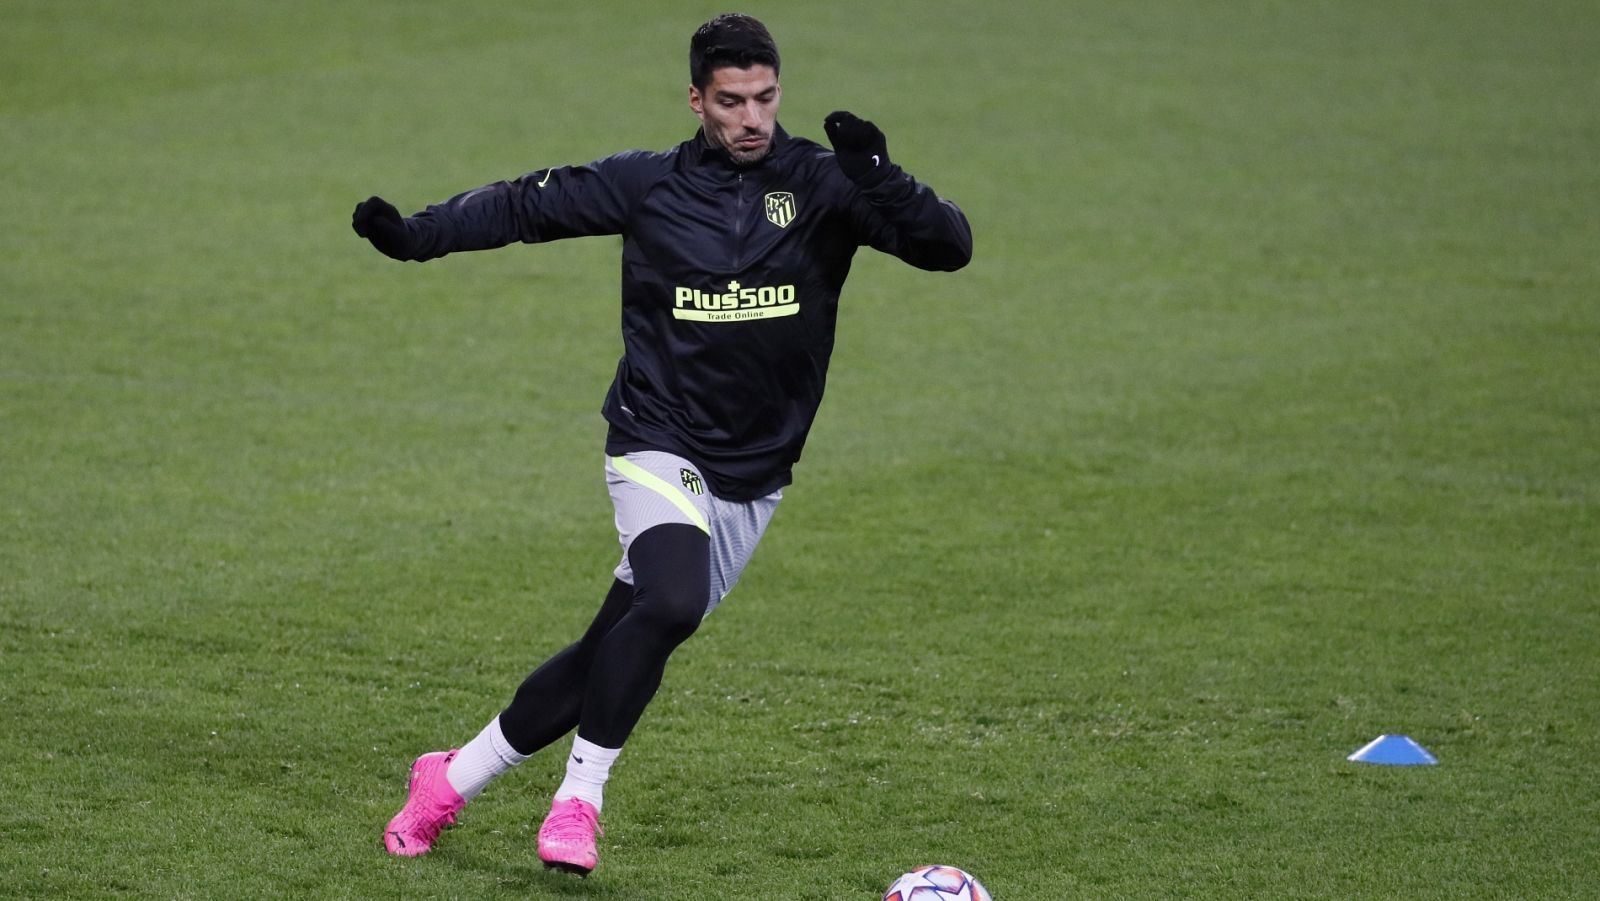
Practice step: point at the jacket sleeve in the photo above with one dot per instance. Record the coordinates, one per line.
(900, 216)
(545, 205)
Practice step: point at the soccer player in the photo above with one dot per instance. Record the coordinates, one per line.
(735, 246)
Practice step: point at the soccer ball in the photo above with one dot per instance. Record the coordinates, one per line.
(937, 883)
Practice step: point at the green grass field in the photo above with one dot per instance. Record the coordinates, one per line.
(1266, 420)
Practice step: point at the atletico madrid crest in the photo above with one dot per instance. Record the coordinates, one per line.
(780, 208)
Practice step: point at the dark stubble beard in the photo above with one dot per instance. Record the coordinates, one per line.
(749, 157)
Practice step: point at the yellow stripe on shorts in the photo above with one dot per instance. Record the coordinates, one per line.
(640, 476)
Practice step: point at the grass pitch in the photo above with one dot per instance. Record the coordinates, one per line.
(1265, 421)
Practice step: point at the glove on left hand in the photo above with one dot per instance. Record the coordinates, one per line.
(858, 145)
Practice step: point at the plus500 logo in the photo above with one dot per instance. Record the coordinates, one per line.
(737, 303)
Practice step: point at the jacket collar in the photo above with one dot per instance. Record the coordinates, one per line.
(703, 153)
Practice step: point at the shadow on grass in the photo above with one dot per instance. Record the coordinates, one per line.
(519, 871)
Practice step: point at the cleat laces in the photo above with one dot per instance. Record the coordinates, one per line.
(573, 824)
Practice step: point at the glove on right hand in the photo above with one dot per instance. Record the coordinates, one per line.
(378, 221)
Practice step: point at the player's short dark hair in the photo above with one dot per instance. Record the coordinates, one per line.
(731, 39)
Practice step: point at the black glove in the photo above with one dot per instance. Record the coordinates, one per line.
(378, 221)
(858, 145)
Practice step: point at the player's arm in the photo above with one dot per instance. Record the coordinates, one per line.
(895, 213)
(563, 202)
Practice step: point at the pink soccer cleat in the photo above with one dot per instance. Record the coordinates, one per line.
(431, 806)
(566, 840)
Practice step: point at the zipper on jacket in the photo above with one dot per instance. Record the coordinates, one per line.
(738, 224)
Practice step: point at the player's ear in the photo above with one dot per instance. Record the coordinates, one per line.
(697, 103)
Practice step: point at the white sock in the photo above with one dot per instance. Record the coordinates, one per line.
(588, 768)
(482, 759)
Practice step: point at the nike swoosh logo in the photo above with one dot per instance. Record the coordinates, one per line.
(578, 760)
(398, 839)
(876, 161)
(547, 174)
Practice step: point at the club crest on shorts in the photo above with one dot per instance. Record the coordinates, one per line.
(780, 208)
(691, 482)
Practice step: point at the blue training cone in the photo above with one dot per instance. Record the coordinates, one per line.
(1393, 750)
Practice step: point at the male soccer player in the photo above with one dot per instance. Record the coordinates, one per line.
(735, 246)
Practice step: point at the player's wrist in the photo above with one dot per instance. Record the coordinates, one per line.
(874, 176)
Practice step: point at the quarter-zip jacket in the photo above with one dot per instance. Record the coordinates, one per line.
(730, 284)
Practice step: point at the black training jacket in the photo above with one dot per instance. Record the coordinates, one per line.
(730, 284)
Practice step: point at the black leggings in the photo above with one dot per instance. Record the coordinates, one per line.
(602, 683)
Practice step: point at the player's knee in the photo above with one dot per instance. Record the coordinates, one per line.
(674, 614)
(671, 578)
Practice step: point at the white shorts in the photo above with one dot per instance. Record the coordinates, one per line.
(652, 488)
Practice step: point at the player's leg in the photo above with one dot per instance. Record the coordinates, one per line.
(544, 708)
(546, 704)
(661, 514)
(670, 572)
(671, 581)
(680, 574)
(682, 565)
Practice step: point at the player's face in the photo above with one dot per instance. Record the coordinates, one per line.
(739, 110)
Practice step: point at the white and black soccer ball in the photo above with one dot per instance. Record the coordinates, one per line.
(937, 883)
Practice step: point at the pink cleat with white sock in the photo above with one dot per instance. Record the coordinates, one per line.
(431, 805)
(566, 840)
